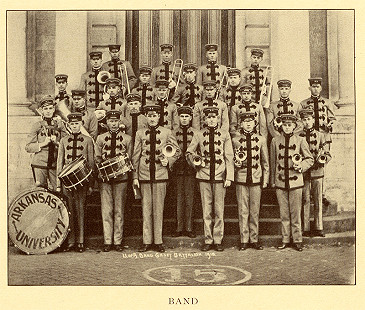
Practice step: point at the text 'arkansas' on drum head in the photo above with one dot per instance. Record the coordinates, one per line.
(38, 221)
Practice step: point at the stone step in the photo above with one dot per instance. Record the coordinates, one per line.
(133, 242)
(341, 222)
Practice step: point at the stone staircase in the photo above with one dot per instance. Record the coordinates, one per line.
(270, 227)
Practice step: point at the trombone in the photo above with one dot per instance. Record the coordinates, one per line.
(123, 67)
(177, 63)
(225, 75)
(269, 73)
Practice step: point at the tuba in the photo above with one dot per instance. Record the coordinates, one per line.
(103, 76)
(297, 159)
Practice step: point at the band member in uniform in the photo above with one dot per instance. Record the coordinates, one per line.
(323, 109)
(144, 87)
(230, 94)
(313, 178)
(212, 71)
(283, 106)
(151, 175)
(250, 106)
(43, 142)
(189, 92)
(324, 114)
(114, 67)
(254, 74)
(89, 82)
(185, 175)
(215, 172)
(90, 122)
(113, 193)
(251, 160)
(72, 147)
(290, 157)
(164, 71)
(168, 110)
(199, 117)
(134, 119)
(115, 101)
(62, 95)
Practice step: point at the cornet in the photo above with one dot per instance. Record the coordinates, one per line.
(297, 159)
(169, 150)
(239, 157)
(103, 76)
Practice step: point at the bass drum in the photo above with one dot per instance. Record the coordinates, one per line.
(38, 221)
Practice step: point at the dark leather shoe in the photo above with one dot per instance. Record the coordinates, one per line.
(206, 247)
(69, 247)
(145, 248)
(257, 246)
(176, 234)
(190, 234)
(118, 248)
(80, 247)
(306, 234)
(107, 247)
(298, 246)
(283, 246)
(319, 233)
(243, 246)
(160, 248)
(219, 247)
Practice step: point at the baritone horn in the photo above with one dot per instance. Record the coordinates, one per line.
(322, 157)
(277, 122)
(169, 150)
(297, 159)
(198, 161)
(266, 87)
(103, 76)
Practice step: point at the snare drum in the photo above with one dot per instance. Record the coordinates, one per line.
(38, 221)
(75, 174)
(114, 167)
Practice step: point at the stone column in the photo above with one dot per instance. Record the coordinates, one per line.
(290, 51)
(16, 61)
(71, 46)
(166, 26)
(194, 36)
(214, 30)
(145, 34)
(346, 56)
(240, 40)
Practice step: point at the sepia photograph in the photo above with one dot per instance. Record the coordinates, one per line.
(181, 147)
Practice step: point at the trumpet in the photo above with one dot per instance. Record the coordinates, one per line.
(297, 159)
(169, 150)
(269, 73)
(277, 122)
(198, 161)
(103, 76)
(225, 76)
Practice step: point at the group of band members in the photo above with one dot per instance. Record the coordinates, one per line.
(219, 135)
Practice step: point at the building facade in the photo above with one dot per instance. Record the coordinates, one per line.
(298, 44)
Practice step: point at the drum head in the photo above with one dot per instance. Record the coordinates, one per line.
(38, 221)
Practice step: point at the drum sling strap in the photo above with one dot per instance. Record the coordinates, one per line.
(144, 92)
(96, 71)
(51, 147)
